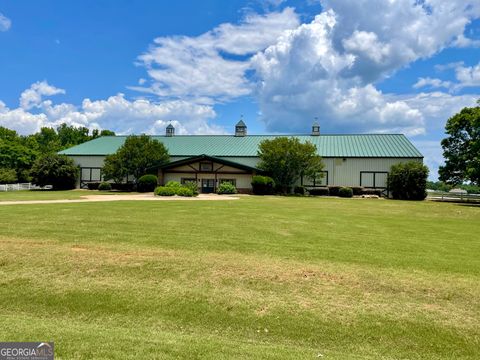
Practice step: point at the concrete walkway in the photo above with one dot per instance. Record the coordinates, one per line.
(135, 197)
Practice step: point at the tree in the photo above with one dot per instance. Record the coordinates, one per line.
(461, 149)
(408, 181)
(135, 157)
(287, 159)
(8, 176)
(57, 170)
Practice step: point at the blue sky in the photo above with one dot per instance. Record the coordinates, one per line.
(135, 66)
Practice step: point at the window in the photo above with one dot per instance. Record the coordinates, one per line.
(206, 166)
(231, 181)
(318, 181)
(374, 179)
(185, 180)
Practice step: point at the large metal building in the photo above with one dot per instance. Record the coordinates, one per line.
(350, 160)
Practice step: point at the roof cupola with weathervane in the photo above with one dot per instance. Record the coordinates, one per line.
(241, 128)
(315, 128)
(170, 130)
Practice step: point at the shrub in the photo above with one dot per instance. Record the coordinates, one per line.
(147, 183)
(192, 186)
(377, 192)
(93, 185)
(173, 185)
(104, 186)
(164, 191)
(299, 190)
(123, 186)
(345, 192)
(408, 181)
(357, 190)
(184, 191)
(334, 190)
(57, 170)
(8, 176)
(226, 188)
(263, 185)
(319, 191)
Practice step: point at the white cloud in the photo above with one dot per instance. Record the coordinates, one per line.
(115, 113)
(32, 97)
(464, 42)
(431, 83)
(468, 76)
(212, 65)
(5, 23)
(328, 68)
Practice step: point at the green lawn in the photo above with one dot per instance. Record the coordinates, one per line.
(255, 278)
(27, 195)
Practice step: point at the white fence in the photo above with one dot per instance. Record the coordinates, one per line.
(17, 187)
(448, 196)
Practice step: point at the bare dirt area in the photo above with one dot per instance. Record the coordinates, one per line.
(133, 197)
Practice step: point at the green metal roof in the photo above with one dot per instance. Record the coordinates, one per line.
(367, 145)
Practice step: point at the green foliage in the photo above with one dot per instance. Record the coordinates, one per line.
(105, 186)
(20, 152)
(135, 157)
(192, 186)
(226, 188)
(164, 191)
(57, 170)
(408, 181)
(461, 148)
(147, 183)
(357, 190)
(299, 190)
(8, 176)
(369, 191)
(93, 185)
(319, 191)
(345, 192)
(439, 186)
(334, 190)
(184, 191)
(263, 185)
(287, 159)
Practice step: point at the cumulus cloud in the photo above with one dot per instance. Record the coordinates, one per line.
(115, 113)
(212, 66)
(5, 23)
(468, 76)
(329, 67)
(32, 97)
(433, 83)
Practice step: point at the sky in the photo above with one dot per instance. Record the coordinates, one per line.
(358, 66)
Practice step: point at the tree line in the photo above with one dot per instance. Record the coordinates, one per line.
(18, 153)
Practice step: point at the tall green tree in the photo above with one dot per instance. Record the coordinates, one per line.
(286, 160)
(461, 149)
(57, 170)
(135, 157)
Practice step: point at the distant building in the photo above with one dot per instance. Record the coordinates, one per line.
(350, 160)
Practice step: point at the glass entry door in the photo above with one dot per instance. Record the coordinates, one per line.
(208, 186)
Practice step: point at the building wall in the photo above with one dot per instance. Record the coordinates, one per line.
(341, 171)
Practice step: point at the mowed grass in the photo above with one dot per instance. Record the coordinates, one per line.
(255, 278)
(26, 195)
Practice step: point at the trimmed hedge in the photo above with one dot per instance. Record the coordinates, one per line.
(345, 192)
(93, 185)
(334, 190)
(226, 188)
(123, 186)
(299, 190)
(357, 190)
(184, 191)
(263, 185)
(104, 186)
(164, 191)
(320, 191)
(147, 183)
